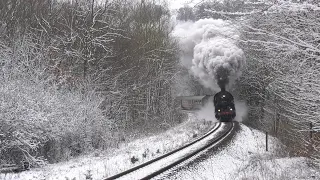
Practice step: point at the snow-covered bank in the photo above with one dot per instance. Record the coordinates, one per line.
(105, 164)
(246, 158)
(243, 158)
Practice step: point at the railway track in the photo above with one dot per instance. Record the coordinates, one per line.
(167, 161)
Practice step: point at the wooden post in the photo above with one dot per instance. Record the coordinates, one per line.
(311, 131)
(266, 141)
(276, 124)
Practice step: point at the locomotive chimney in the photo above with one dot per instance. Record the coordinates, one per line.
(222, 78)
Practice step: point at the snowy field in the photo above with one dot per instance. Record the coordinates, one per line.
(243, 158)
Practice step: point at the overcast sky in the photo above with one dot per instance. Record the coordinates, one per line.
(176, 4)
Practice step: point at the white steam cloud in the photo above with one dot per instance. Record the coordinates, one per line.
(241, 110)
(208, 46)
(207, 111)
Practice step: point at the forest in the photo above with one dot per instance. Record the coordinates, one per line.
(78, 75)
(82, 75)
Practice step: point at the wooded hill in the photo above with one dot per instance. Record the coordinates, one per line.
(80, 75)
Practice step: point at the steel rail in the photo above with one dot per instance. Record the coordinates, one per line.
(216, 127)
(208, 146)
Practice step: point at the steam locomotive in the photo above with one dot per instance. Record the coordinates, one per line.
(224, 106)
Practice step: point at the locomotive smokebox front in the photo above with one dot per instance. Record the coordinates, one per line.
(224, 106)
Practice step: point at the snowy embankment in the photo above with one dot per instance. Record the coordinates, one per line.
(104, 164)
(245, 157)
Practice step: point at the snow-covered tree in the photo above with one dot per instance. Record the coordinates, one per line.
(186, 14)
(81, 75)
(282, 45)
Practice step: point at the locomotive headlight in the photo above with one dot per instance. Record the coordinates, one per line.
(231, 109)
(218, 110)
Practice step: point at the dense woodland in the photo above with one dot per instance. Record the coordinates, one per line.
(80, 75)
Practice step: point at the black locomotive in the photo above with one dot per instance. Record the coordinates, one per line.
(224, 106)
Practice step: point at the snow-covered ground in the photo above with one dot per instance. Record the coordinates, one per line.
(243, 158)
(104, 164)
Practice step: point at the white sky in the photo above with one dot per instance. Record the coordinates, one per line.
(176, 4)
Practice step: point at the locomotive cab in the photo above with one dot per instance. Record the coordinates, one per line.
(224, 106)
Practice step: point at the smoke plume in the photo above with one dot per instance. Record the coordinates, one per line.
(210, 52)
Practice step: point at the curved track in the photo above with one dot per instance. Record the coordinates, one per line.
(165, 162)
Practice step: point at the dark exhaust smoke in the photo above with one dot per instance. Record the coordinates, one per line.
(222, 77)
